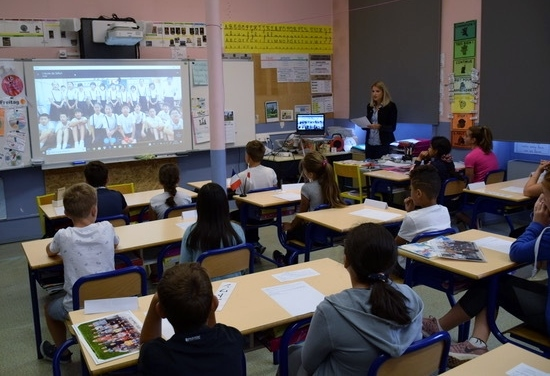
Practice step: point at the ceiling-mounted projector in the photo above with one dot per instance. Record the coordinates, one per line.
(123, 34)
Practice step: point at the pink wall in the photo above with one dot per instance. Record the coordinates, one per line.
(454, 11)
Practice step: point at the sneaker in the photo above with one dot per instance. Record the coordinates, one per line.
(463, 351)
(430, 326)
(48, 350)
(279, 258)
(259, 248)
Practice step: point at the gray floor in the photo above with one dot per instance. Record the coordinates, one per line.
(17, 335)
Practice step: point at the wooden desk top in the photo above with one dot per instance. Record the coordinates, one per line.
(133, 200)
(268, 198)
(132, 237)
(511, 190)
(199, 184)
(341, 219)
(496, 261)
(248, 309)
(499, 361)
(388, 175)
(299, 156)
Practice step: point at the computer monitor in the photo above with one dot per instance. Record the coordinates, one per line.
(310, 124)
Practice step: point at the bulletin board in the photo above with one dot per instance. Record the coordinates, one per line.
(268, 88)
(238, 77)
(15, 148)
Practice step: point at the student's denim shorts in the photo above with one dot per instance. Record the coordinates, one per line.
(57, 311)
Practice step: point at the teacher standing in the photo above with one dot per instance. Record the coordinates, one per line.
(382, 113)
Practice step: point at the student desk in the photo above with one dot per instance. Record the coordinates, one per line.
(249, 309)
(198, 184)
(493, 198)
(132, 237)
(134, 201)
(499, 361)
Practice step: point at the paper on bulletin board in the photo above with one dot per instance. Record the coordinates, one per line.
(229, 125)
(322, 105)
(171, 34)
(199, 73)
(290, 67)
(35, 33)
(321, 86)
(462, 103)
(201, 129)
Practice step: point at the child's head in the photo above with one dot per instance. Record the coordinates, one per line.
(255, 150)
(96, 174)
(440, 146)
(44, 119)
(212, 203)
(79, 200)
(479, 135)
(370, 251)
(316, 167)
(169, 177)
(425, 184)
(185, 296)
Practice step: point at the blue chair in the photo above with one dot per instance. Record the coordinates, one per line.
(223, 261)
(177, 210)
(419, 273)
(167, 257)
(316, 238)
(130, 281)
(116, 220)
(280, 356)
(427, 356)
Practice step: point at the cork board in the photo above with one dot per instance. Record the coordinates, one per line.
(144, 174)
(287, 94)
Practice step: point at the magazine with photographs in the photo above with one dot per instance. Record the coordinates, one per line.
(110, 337)
(447, 248)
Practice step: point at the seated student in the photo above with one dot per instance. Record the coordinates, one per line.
(430, 216)
(439, 156)
(46, 130)
(322, 188)
(533, 187)
(213, 229)
(199, 346)
(86, 248)
(169, 177)
(109, 202)
(525, 299)
(481, 160)
(256, 176)
(351, 328)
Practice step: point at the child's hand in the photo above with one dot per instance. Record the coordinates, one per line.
(541, 214)
(409, 204)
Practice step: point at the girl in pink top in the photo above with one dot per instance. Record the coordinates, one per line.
(481, 159)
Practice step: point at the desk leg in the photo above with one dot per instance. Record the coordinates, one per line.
(35, 313)
(492, 309)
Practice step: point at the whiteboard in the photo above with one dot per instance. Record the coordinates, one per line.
(15, 148)
(238, 77)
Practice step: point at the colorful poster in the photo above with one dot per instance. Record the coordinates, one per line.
(457, 139)
(463, 67)
(465, 30)
(463, 104)
(464, 48)
(462, 121)
(172, 34)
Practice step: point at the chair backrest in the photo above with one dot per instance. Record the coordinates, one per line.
(427, 356)
(433, 234)
(116, 220)
(123, 188)
(219, 262)
(350, 171)
(177, 210)
(495, 176)
(167, 257)
(451, 194)
(43, 200)
(130, 281)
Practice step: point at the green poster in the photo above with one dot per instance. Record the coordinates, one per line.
(463, 67)
(465, 30)
(464, 48)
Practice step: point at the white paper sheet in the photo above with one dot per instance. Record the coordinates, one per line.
(375, 203)
(59, 210)
(110, 305)
(375, 214)
(185, 224)
(292, 187)
(223, 293)
(294, 275)
(523, 369)
(189, 215)
(362, 121)
(296, 298)
(496, 244)
(167, 329)
(289, 196)
(514, 189)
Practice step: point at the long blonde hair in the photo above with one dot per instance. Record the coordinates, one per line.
(386, 97)
(315, 163)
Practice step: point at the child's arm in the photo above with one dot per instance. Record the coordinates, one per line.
(152, 326)
(49, 252)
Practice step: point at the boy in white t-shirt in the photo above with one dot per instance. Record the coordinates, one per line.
(256, 176)
(430, 216)
(86, 248)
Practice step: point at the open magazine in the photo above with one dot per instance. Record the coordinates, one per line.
(110, 337)
(446, 247)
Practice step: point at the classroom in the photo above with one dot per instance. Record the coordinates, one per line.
(420, 69)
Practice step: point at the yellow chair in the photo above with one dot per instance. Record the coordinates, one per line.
(123, 188)
(348, 171)
(43, 200)
(220, 262)
(495, 176)
(177, 210)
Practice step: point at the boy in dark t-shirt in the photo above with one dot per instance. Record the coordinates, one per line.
(199, 346)
(109, 202)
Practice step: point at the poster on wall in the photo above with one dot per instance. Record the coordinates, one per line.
(35, 33)
(465, 30)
